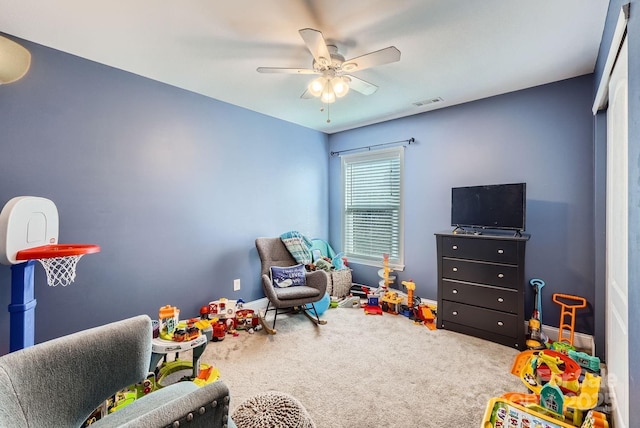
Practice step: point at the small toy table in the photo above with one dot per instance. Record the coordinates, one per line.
(160, 348)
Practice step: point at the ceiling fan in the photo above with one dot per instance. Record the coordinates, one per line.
(14, 61)
(334, 71)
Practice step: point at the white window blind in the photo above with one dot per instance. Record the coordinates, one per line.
(372, 223)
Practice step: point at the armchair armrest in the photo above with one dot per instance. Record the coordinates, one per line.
(206, 406)
(318, 279)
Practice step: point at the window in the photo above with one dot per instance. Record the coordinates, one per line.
(372, 210)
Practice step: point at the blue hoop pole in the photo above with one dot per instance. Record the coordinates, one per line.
(22, 308)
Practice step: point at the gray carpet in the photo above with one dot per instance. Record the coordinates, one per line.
(368, 370)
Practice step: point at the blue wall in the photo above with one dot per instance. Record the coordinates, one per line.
(633, 40)
(174, 187)
(542, 136)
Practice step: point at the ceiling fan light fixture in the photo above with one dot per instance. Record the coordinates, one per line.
(340, 86)
(328, 96)
(316, 86)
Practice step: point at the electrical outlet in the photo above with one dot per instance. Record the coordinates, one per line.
(236, 284)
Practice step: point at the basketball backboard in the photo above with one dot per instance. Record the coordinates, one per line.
(26, 222)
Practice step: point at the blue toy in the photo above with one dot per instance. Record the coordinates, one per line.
(321, 305)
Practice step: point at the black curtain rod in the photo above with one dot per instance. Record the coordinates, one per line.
(410, 141)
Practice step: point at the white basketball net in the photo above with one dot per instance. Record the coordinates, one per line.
(60, 270)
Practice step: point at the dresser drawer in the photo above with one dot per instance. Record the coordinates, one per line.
(484, 319)
(481, 272)
(500, 299)
(490, 250)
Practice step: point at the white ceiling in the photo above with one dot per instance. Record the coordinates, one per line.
(459, 50)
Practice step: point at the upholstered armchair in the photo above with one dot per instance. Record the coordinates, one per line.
(60, 382)
(273, 253)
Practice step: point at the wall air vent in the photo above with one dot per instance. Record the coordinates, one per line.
(427, 102)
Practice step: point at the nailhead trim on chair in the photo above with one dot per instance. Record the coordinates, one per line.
(202, 410)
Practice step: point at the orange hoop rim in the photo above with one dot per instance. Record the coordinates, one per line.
(57, 250)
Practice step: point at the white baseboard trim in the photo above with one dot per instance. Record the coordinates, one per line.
(257, 304)
(580, 340)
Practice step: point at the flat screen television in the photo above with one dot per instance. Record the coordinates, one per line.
(496, 206)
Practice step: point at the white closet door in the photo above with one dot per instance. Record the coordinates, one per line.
(617, 339)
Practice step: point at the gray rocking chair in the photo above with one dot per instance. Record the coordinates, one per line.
(273, 252)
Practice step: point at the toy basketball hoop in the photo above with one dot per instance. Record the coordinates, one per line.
(29, 232)
(59, 261)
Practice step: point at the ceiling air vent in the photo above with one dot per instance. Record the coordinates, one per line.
(427, 102)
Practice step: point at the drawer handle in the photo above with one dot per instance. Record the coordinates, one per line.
(455, 312)
(500, 299)
(454, 291)
(500, 275)
(455, 269)
(500, 323)
(500, 251)
(455, 247)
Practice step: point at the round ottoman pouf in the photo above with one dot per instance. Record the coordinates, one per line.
(272, 409)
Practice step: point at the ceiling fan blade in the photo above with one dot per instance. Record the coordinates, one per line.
(316, 45)
(306, 95)
(286, 70)
(14, 61)
(383, 56)
(361, 86)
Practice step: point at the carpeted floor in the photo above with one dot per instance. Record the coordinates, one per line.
(368, 370)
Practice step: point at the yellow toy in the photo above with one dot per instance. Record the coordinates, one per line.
(411, 286)
(501, 413)
(384, 274)
(391, 302)
(553, 377)
(169, 316)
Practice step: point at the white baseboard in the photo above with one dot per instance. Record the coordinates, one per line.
(580, 340)
(257, 304)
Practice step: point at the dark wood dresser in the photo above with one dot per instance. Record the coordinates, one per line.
(481, 287)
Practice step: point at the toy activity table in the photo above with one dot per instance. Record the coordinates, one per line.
(160, 348)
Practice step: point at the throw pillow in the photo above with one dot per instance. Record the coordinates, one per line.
(288, 276)
(299, 246)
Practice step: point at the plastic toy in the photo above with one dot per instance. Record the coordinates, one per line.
(501, 413)
(372, 307)
(246, 319)
(123, 398)
(410, 286)
(350, 302)
(585, 360)
(563, 347)
(169, 317)
(534, 340)
(554, 379)
(424, 314)
(568, 315)
(219, 331)
(321, 305)
(384, 274)
(29, 232)
(222, 308)
(391, 302)
(206, 373)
